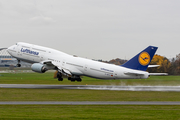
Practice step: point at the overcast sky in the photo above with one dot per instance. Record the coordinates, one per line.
(95, 29)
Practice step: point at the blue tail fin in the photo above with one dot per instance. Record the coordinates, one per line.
(141, 60)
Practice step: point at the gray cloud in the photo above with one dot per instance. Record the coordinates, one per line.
(93, 28)
(41, 20)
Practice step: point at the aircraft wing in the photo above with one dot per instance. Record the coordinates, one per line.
(47, 62)
(64, 70)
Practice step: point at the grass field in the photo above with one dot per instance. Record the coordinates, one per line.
(47, 78)
(84, 95)
(89, 112)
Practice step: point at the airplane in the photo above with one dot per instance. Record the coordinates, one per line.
(44, 58)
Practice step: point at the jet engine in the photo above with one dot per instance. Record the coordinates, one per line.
(38, 67)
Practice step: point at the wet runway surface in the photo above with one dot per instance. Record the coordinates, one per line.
(94, 87)
(90, 87)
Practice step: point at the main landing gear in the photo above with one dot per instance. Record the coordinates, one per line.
(73, 78)
(59, 76)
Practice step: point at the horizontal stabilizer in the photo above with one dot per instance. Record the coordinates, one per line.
(134, 73)
(151, 66)
(158, 74)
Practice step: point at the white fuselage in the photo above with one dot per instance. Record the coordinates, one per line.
(76, 65)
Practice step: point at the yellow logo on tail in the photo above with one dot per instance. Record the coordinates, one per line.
(144, 58)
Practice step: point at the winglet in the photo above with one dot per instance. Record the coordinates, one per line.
(141, 60)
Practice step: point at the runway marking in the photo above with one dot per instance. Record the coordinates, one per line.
(86, 103)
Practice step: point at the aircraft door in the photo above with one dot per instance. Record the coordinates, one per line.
(85, 67)
(42, 57)
(115, 75)
(18, 49)
(63, 63)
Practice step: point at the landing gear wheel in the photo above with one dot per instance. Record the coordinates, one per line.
(60, 79)
(72, 80)
(79, 80)
(18, 65)
(75, 78)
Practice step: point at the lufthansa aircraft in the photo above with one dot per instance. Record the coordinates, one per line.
(43, 59)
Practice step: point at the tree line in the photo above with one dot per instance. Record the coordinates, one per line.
(172, 67)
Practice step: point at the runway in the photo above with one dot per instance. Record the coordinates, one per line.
(90, 87)
(94, 87)
(86, 103)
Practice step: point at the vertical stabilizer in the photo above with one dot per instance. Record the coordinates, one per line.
(141, 60)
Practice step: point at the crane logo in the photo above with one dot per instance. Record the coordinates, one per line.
(144, 58)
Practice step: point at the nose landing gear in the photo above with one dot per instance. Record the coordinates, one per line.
(18, 65)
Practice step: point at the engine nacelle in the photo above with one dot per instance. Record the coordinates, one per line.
(38, 67)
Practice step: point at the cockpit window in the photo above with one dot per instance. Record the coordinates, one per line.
(17, 44)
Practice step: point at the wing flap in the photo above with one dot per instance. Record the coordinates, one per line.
(47, 62)
(64, 70)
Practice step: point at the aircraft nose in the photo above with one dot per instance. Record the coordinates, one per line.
(11, 48)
